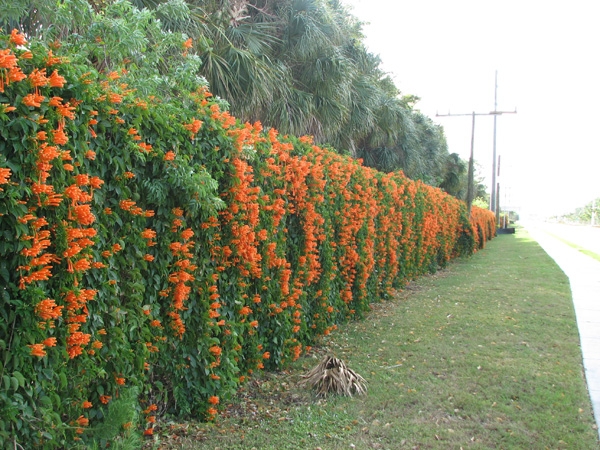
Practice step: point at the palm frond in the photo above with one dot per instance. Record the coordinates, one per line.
(332, 376)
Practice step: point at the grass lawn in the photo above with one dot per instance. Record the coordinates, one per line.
(482, 355)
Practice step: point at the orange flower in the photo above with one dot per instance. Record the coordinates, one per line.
(90, 154)
(145, 147)
(105, 399)
(148, 257)
(194, 126)
(38, 78)
(33, 100)
(16, 38)
(148, 432)
(96, 182)
(188, 43)
(47, 309)
(115, 98)
(51, 60)
(83, 421)
(215, 350)
(66, 110)
(50, 342)
(148, 234)
(86, 405)
(59, 136)
(213, 400)
(266, 355)
(4, 176)
(187, 234)
(56, 80)
(55, 101)
(120, 380)
(37, 350)
(245, 311)
(7, 108)
(169, 156)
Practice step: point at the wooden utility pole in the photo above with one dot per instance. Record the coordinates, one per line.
(470, 184)
(493, 193)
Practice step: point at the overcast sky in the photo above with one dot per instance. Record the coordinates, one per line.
(547, 54)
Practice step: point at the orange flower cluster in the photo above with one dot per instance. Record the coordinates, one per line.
(39, 265)
(149, 234)
(77, 312)
(130, 206)
(183, 273)
(4, 176)
(193, 127)
(243, 219)
(10, 72)
(187, 45)
(48, 309)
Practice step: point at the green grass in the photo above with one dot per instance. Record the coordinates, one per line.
(483, 355)
(583, 250)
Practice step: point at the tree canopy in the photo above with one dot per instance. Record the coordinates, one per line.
(299, 66)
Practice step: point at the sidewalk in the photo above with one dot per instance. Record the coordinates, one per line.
(584, 277)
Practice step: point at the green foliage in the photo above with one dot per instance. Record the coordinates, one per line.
(299, 66)
(123, 410)
(154, 251)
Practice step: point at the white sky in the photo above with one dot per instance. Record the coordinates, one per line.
(547, 54)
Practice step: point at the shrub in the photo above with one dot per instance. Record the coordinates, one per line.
(153, 254)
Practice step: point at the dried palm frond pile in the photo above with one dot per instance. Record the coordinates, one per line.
(332, 376)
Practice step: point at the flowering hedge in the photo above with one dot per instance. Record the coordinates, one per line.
(153, 254)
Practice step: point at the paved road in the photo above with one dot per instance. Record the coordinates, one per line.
(584, 277)
(581, 235)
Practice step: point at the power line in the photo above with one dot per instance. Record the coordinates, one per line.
(470, 187)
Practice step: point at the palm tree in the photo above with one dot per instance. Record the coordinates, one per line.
(296, 65)
(454, 182)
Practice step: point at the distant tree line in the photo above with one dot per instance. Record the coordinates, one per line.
(584, 214)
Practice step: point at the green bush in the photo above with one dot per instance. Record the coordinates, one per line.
(154, 252)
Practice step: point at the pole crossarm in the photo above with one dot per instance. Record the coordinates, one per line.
(491, 113)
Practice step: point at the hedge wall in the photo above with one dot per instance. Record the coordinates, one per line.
(153, 254)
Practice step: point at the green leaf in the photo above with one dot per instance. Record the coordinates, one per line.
(6, 380)
(20, 378)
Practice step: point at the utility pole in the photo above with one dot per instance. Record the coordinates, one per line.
(470, 185)
(493, 193)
